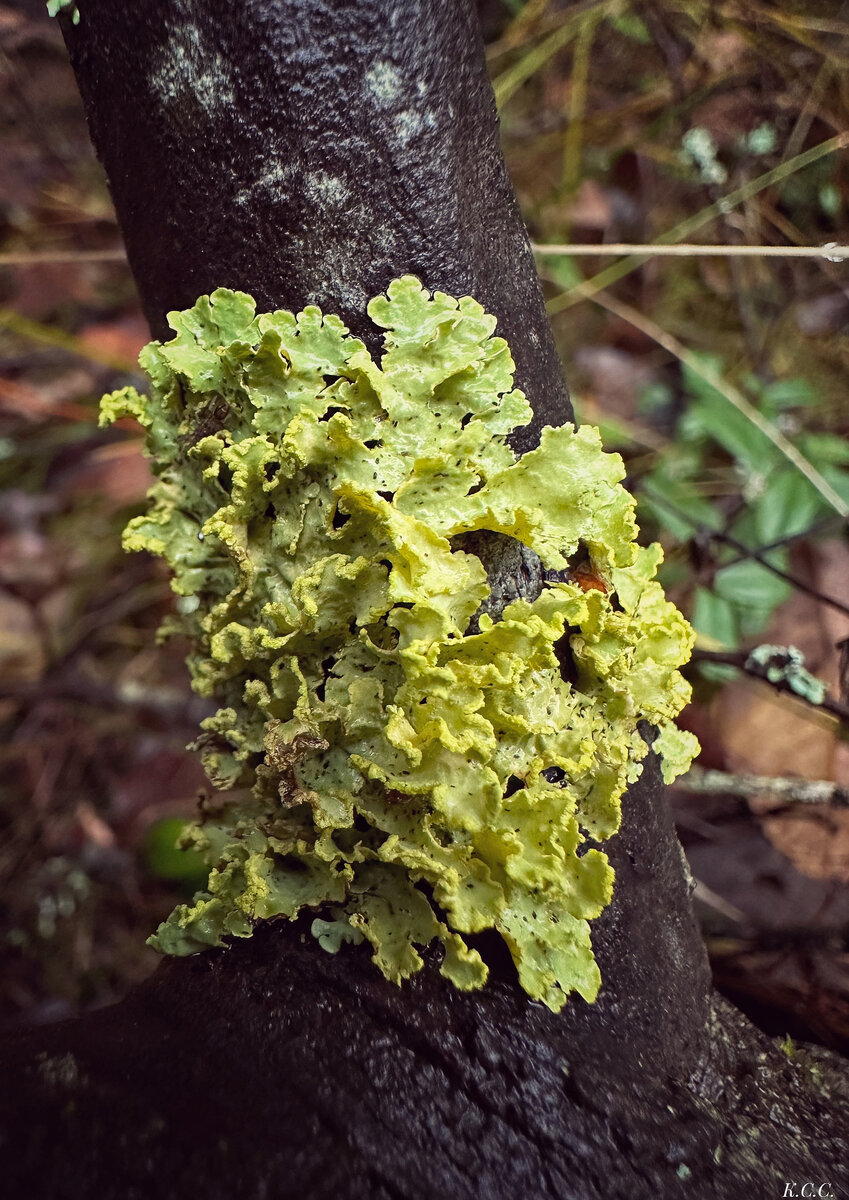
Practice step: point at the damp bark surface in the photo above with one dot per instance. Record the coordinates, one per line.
(309, 152)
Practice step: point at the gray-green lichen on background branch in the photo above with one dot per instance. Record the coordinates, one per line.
(394, 753)
(786, 665)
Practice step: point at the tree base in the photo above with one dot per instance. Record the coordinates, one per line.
(275, 1069)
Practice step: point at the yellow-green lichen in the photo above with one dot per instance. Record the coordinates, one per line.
(397, 759)
(69, 7)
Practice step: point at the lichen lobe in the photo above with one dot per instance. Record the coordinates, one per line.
(385, 744)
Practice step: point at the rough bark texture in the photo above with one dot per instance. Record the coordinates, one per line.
(276, 1070)
(311, 151)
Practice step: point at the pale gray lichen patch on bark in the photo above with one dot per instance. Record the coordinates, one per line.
(383, 80)
(361, 92)
(410, 122)
(189, 70)
(60, 1071)
(324, 188)
(349, 293)
(276, 181)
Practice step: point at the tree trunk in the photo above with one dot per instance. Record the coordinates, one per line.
(310, 151)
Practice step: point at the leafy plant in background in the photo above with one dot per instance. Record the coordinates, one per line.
(723, 482)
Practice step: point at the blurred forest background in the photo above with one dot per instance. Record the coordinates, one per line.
(721, 380)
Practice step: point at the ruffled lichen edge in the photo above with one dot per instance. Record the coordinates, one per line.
(390, 755)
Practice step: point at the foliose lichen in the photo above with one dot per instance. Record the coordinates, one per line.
(69, 7)
(394, 758)
(786, 665)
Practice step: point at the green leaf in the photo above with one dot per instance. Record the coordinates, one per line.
(831, 200)
(631, 26)
(825, 449)
(716, 618)
(787, 505)
(754, 591)
(777, 397)
(726, 424)
(655, 397)
(562, 269)
(839, 480)
(676, 504)
(168, 859)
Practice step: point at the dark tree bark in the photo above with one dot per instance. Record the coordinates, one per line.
(311, 151)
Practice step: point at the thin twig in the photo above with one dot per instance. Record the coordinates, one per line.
(744, 661)
(577, 104)
(690, 225)
(28, 258)
(824, 525)
(831, 252)
(809, 110)
(530, 22)
(792, 21)
(793, 791)
(759, 556)
(743, 552)
(508, 82)
(719, 904)
(49, 335)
